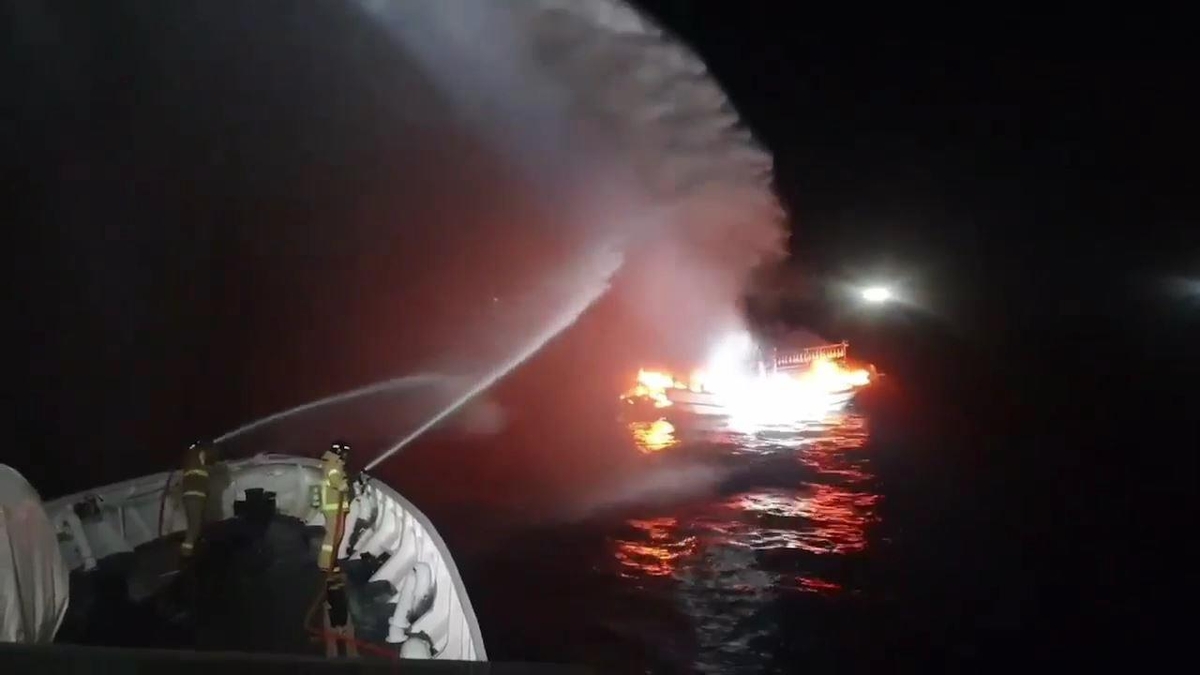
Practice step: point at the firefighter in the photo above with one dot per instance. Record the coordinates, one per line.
(196, 461)
(335, 503)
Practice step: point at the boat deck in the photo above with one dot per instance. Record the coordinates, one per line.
(249, 591)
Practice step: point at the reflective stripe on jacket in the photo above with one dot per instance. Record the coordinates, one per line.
(195, 472)
(335, 488)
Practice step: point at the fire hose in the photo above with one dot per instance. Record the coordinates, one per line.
(322, 634)
(315, 632)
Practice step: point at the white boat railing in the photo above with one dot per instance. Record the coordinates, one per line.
(802, 357)
(431, 600)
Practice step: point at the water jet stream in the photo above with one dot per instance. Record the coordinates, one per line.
(609, 265)
(378, 387)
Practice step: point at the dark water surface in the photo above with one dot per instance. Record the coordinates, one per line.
(683, 545)
(963, 513)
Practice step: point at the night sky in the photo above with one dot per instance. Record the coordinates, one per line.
(994, 158)
(1033, 176)
(1032, 179)
(1023, 177)
(1029, 179)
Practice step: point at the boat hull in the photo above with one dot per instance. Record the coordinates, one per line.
(134, 517)
(705, 404)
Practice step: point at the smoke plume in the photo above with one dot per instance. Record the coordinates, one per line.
(226, 208)
(618, 126)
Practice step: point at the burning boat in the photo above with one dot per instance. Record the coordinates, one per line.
(743, 379)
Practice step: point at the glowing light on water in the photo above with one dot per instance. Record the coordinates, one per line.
(655, 436)
(838, 508)
(654, 548)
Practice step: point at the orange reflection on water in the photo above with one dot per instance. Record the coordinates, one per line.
(653, 436)
(818, 586)
(834, 452)
(835, 519)
(816, 497)
(829, 515)
(656, 551)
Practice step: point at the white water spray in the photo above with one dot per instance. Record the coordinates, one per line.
(615, 124)
(607, 263)
(377, 388)
(513, 133)
(602, 112)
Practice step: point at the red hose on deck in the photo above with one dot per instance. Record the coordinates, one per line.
(320, 633)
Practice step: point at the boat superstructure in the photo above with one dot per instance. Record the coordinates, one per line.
(821, 371)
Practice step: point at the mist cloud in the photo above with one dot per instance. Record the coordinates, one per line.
(617, 127)
(224, 209)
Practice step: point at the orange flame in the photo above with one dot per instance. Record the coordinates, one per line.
(654, 385)
(823, 376)
(831, 376)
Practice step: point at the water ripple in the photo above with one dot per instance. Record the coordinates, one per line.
(800, 509)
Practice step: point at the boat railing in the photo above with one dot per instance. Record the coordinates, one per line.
(430, 597)
(786, 359)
